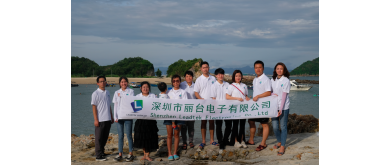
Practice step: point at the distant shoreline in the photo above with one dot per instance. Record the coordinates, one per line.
(114, 80)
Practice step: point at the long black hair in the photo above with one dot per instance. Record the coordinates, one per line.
(285, 72)
(149, 86)
(123, 77)
(233, 76)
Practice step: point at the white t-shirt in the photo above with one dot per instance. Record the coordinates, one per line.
(203, 86)
(101, 99)
(151, 95)
(163, 96)
(177, 94)
(233, 92)
(279, 86)
(117, 99)
(188, 89)
(219, 90)
(261, 85)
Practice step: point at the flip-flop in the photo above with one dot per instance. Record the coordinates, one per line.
(280, 153)
(184, 146)
(202, 145)
(247, 143)
(191, 145)
(260, 147)
(215, 144)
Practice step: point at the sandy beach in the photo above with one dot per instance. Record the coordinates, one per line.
(114, 80)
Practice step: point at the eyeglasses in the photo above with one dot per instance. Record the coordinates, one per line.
(102, 81)
(175, 81)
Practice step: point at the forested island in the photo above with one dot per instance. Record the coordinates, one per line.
(307, 68)
(129, 67)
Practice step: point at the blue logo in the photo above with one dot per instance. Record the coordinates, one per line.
(127, 94)
(260, 82)
(137, 105)
(282, 85)
(213, 82)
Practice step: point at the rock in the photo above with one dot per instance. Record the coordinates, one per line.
(163, 151)
(219, 158)
(308, 156)
(230, 155)
(188, 153)
(252, 155)
(204, 155)
(162, 142)
(196, 155)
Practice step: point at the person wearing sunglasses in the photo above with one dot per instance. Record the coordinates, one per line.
(174, 93)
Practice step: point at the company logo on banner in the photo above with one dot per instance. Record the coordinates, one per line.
(137, 105)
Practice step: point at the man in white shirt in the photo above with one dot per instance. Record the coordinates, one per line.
(103, 117)
(219, 89)
(261, 88)
(202, 89)
(188, 86)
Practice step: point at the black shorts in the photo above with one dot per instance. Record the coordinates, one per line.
(261, 120)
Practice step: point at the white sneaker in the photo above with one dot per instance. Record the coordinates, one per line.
(238, 145)
(220, 151)
(244, 144)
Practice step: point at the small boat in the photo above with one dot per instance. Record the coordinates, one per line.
(153, 85)
(297, 87)
(250, 87)
(133, 85)
(74, 85)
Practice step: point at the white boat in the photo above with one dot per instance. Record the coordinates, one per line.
(297, 87)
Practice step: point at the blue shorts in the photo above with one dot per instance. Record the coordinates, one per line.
(177, 122)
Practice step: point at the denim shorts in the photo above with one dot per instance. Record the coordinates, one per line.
(177, 122)
(261, 120)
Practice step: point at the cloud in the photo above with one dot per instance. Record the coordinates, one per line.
(197, 25)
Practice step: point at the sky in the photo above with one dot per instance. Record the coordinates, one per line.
(226, 33)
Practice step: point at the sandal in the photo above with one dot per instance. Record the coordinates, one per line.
(247, 143)
(260, 148)
(202, 145)
(276, 146)
(280, 153)
(215, 143)
(191, 145)
(184, 146)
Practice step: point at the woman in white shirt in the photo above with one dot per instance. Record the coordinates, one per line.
(145, 131)
(281, 86)
(122, 93)
(238, 91)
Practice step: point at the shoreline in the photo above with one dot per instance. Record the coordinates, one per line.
(302, 148)
(114, 80)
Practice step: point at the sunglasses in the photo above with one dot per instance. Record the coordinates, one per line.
(175, 81)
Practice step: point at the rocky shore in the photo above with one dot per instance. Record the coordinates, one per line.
(302, 147)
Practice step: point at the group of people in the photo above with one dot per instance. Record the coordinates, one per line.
(205, 87)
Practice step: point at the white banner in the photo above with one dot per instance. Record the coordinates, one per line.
(176, 109)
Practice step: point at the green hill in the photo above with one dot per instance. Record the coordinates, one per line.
(130, 67)
(307, 68)
(181, 66)
(81, 67)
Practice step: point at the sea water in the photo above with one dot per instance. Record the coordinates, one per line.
(82, 119)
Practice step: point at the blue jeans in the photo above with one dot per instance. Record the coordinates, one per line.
(283, 121)
(128, 130)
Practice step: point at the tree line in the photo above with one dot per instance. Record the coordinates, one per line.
(307, 68)
(129, 67)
